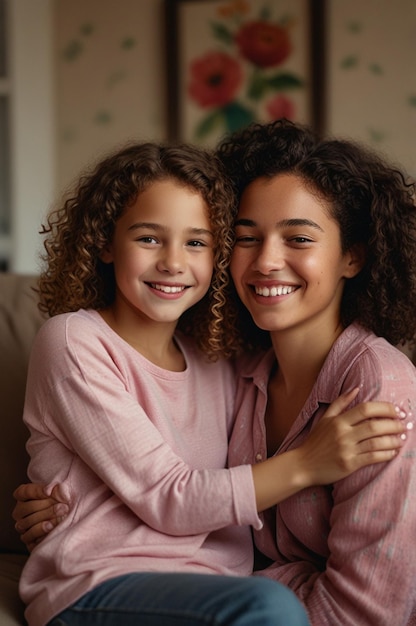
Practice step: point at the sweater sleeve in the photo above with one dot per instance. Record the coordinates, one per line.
(368, 577)
(85, 424)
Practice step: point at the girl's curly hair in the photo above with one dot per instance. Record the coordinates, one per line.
(78, 231)
(373, 203)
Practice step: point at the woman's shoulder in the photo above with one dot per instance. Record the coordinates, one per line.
(371, 362)
(361, 342)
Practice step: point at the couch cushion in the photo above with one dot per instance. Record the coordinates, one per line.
(19, 322)
(11, 607)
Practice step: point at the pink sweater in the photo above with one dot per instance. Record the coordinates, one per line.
(346, 550)
(140, 452)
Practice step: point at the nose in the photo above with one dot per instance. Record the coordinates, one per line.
(172, 260)
(270, 257)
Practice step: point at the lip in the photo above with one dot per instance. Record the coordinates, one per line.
(170, 291)
(272, 290)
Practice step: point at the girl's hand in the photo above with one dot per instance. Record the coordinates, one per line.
(36, 513)
(341, 443)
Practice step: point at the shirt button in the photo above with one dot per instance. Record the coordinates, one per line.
(259, 457)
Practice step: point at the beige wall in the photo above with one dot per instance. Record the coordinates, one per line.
(88, 75)
(372, 74)
(109, 77)
(109, 61)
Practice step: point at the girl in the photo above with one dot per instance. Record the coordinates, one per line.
(133, 421)
(325, 263)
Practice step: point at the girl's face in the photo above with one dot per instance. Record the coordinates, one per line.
(287, 263)
(162, 251)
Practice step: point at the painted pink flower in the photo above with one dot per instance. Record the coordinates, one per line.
(264, 44)
(281, 106)
(215, 79)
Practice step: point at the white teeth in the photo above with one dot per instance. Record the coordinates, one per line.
(167, 289)
(281, 290)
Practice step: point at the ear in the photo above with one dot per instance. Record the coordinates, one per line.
(106, 255)
(355, 260)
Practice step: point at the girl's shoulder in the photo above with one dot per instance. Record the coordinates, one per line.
(199, 361)
(72, 322)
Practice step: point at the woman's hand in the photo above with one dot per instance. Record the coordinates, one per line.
(36, 513)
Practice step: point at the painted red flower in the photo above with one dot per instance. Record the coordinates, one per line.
(281, 106)
(264, 44)
(215, 79)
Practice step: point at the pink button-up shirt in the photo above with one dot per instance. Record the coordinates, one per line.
(347, 550)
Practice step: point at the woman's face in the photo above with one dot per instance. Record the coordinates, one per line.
(287, 264)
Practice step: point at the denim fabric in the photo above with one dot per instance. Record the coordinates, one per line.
(155, 599)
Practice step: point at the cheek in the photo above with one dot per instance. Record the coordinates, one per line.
(236, 264)
(206, 269)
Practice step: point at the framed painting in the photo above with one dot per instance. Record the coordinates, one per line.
(233, 62)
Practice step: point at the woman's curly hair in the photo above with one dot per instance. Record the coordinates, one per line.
(77, 232)
(373, 203)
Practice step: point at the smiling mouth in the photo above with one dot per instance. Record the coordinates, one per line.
(269, 292)
(168, 288)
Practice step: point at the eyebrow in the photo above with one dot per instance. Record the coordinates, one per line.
(290, 222)
(161, 228)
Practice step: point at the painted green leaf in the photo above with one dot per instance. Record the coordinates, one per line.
(237, 116)
(260, 85)
(257, 87)
(348, 62)
(376, 135)
(103, 117)
(221, 32)
(265, 14)
(87, 29)
(73, 50)
(209, 124)
(354, 27)
(285, 81)
(286, 20)
(375, 68)
(231, 117)
(128, 43)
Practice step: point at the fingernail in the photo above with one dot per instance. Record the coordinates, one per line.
(61, 509)
(409, 425)
(48, 526)
(400, 412)
(403, 437)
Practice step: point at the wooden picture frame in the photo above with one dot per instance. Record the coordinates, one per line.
(231, 62)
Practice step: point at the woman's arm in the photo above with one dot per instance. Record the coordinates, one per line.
(36, 512)
(347, 553)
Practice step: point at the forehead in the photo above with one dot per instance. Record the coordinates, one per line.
(282, 195)
(167, 204)
(169, 195)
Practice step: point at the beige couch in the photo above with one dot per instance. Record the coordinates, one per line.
(19, 321)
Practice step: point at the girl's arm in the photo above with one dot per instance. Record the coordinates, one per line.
(333, 450)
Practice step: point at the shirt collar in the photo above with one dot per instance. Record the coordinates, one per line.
(339, 361)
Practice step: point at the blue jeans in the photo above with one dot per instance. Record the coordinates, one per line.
(159, 599)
